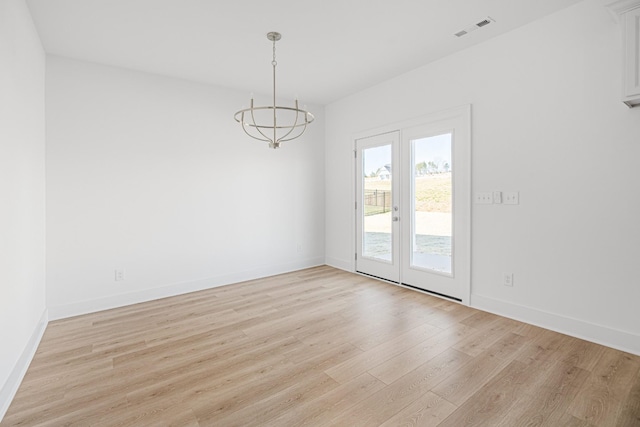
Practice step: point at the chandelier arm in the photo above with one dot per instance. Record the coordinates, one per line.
(304, 129)
(255, 125)
(298, 135)
(293, 126)
(253, 136)
(244, 126)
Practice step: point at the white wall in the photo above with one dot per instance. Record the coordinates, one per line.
(22, 194)
(547, 121)
(152, 175)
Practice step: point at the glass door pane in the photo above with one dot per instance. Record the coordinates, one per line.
(377, 198)
(432, 213)
(436, 196)
(377, 216)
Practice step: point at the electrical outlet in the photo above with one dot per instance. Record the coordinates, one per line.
(511, 198)
(484, 198)
(507, 279)
(119, 275)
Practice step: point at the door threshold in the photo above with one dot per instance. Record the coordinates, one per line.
(377, 277)
(436, 294)
(414, 288)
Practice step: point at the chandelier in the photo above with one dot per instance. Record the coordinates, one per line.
(274, 123)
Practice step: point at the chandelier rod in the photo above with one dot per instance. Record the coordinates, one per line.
(273, 36)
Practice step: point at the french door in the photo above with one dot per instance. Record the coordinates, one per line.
(413, 205)
(378, 195)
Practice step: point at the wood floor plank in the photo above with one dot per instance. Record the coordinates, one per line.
(400, 365)
(328, 406)
(631, 408)
(261, 412)
(485, 337)
(569, 420)
(494, 400)
(389, 331)
(170, 416)
(359, 329)
(547, 402)
(609, 385)
(428, 410)
(319, 347)
(212, 371)
(465, 382)
(529, 331)
(367, 360)
(235, 396)
(447, 316)
(544, 347)
(386, 403)
(480, 320)
(583, 354)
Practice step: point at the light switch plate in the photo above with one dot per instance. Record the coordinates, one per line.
(497, 197)
(511, 198)
(484, 198)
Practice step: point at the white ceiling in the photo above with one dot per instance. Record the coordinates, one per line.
(329, 48)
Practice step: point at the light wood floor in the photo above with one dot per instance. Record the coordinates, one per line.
(319, 347)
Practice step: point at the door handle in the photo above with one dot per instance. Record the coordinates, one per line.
(396, 219)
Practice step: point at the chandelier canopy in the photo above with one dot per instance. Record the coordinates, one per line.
(274, 123)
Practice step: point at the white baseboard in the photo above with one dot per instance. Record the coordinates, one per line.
(338, 263)
(10, 388)
(614, 338)
(92, 306)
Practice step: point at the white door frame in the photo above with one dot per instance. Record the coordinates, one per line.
(463, 155)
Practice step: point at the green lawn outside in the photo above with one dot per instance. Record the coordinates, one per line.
(433, 192)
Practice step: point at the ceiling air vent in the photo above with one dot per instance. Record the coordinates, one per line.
(474, 27)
